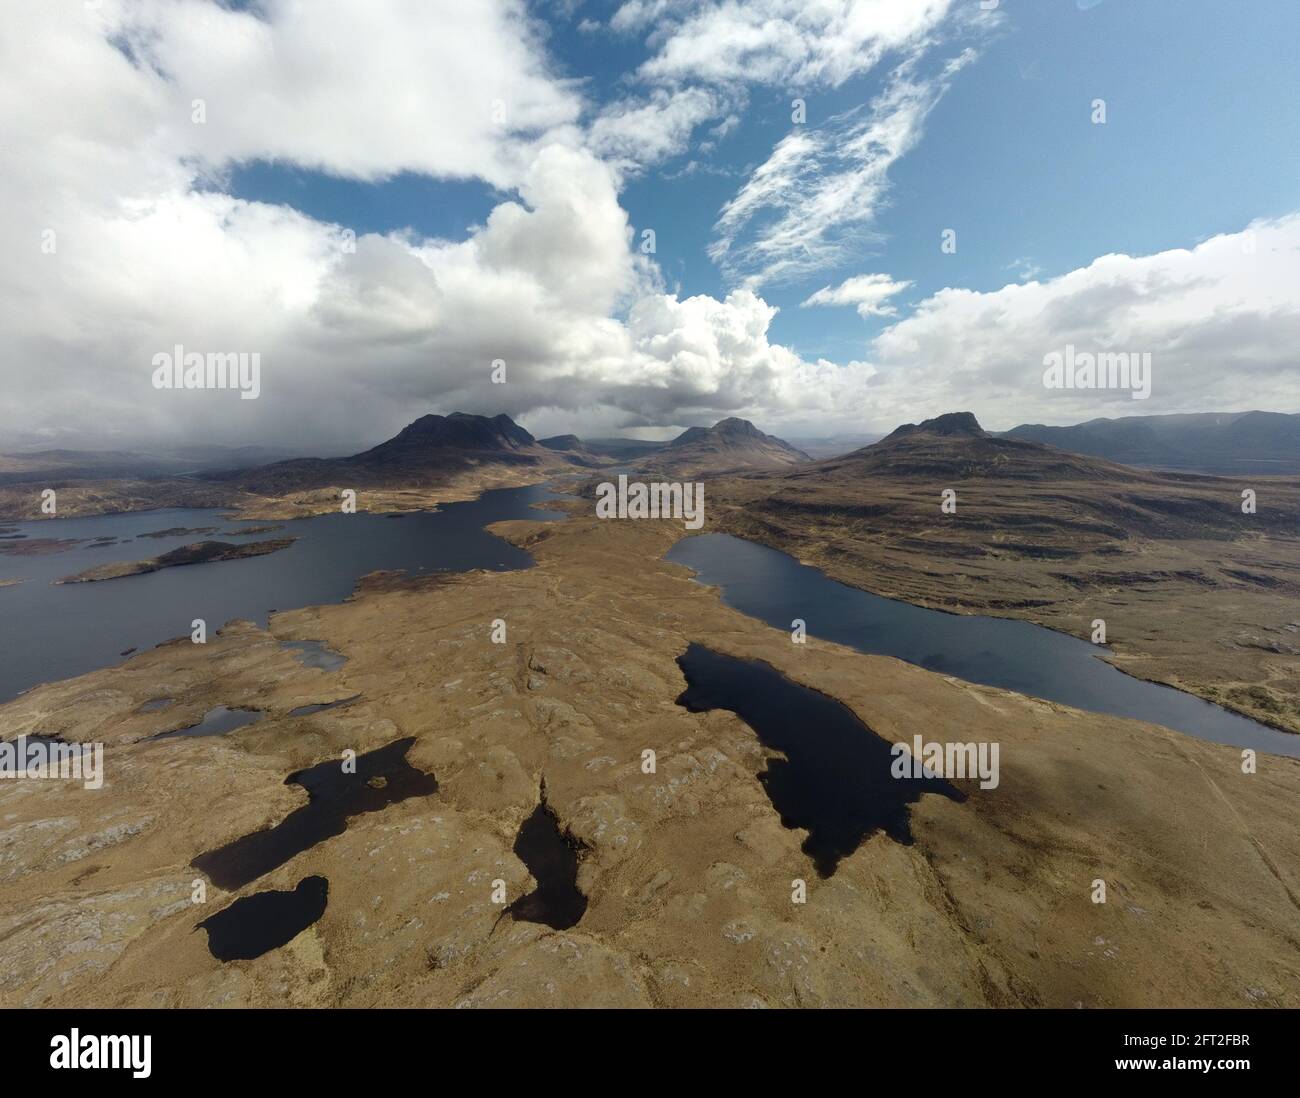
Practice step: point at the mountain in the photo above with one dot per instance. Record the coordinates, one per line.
(431, 436)
(948, 425)
(955, 447)
(944, 514)
(573, 449)
(562, 442)
(431, 450)
(431, 459)
(1226, 443)
(729, 445)
(1016, 500)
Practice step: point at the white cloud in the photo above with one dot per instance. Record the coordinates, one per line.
(637, 15)
(633, 133)
(726, 126)
(1221, 320)
(354, 341)
(868, 293)
(1024, 268)
(354, 89)
(703, 355)
(792, 42)
(824, 186)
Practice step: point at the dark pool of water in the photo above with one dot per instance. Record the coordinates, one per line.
(265, 921)
(54, 632)
(1014, 655)
(834, 781)
(321, 707)
(216, 722)
(382, 777)
(552, 859)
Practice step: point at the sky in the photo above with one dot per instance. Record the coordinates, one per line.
(631, 217)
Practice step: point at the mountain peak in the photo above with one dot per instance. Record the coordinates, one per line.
(730, 443)
(948, 425)
(561, 442)
(734, 426)
(729, 429)
(458, 431)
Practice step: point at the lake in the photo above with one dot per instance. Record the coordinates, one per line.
(1014, 655)
(50, 632)
(832, 777)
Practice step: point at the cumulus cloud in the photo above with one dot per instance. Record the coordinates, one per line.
(357, 336)
(123, 244)
(868, 293)
(702, 355)
(1221, 321)
(357, 90)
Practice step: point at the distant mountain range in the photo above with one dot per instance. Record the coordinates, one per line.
(827, 446)
(41, 465)
(622, 449)
(1231, 443)
(434, 448)
(432, 451)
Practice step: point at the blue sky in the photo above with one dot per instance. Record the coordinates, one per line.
(1202, 135)
(382, 198)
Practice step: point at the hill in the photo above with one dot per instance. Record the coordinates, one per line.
(432, 450)
(1228, 443)
(729, 445)
(955, 446)
(573, 448)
